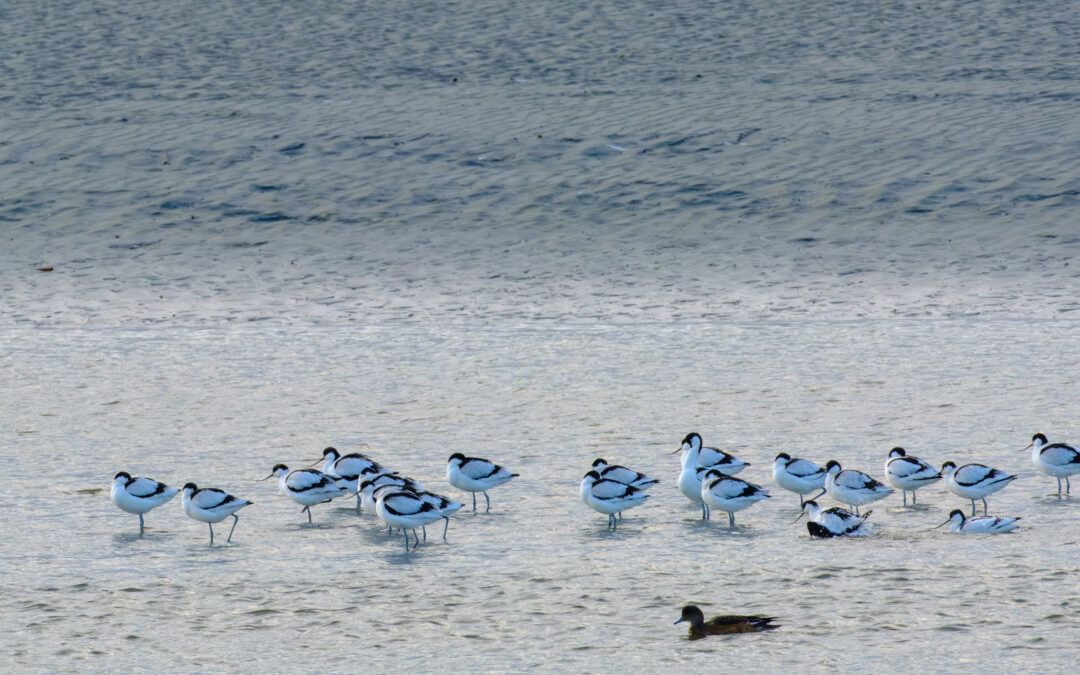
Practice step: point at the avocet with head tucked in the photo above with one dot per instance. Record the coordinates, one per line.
(851, 487)
(307, 486)
(909, 473)
(372, 482)
(730, 494)
(139, 495)
(1059, 460)
(623, 475)
(474, 474)
(609, 496)
(398, 507)
(210, 506)
(798, 475)
(690, 479)
(834, 521)
(980, 525)
(974, 481)
(711, 458)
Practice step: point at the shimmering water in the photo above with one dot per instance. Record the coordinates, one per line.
(539, 582)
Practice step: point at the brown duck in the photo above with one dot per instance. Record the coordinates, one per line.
(722, 625)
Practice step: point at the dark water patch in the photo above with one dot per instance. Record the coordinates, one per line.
(267, 188)
(174, 204)
(1043, 197)
(293, 149)
(274, 217)
(239, 213)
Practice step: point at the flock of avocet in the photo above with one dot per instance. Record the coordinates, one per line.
(399, 501)
(707, 478)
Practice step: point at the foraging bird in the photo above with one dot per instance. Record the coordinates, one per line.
(851, 487)
(723, 625)
(798, 475)
(982, 524)
(909, 473)
(474, 474)
(211, 505)
(139, 495)
(1059, 460)
(728, 493)
(398, 507)
(307, 486)
(609, 496)
(974, 481)
(833, 521)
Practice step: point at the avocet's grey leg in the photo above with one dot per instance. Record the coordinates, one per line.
(236, 519)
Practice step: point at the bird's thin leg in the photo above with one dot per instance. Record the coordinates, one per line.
(406, 533)
(141, 520)
(474, 502)
(236, 519)
(488, 500)
(731, 518)
(211, 526)
(445, 527)
(424, 529)
(984, 506)
(905, 497)
(913, 498)
(358, 498)
(308, 509)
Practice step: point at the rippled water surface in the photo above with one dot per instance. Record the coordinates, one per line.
(539, 582)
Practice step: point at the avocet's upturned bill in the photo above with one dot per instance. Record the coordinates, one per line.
(710, 458)
(210, 506)
(623, 475)
(307, 486)
(139, 495)
(958, 524)
(909, 473)
(834, 521)
(402, 508)
(798, 475)
(474, 474)
(974, 481)
(1059, 460)
(730, 494)
(851, 487)
(609, 496)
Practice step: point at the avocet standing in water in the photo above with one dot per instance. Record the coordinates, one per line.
(851, 487)
(307, 486)
(402, 508)
(139, 495)
(1059, 460)
(728, 493)
(974, 481)
(474, 474)
(349, 468)
(982, 524)
(909, 473)
(210, 506)
(798, 475)
(609, 496)
(833, 521)
(710, 458)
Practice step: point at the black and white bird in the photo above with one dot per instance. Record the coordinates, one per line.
(712, 458)
(833, 521)
(398, 507)
(1059, 460)
(851, 487)
(609, 496)
(909, 473)
(372, 482)
(798, 475)
(350, 469)
(728, 493)
(139, 495)
(974, 481)
(307, 486)
(474, 474)
(623, 475)
(210, 506)
(981, 525)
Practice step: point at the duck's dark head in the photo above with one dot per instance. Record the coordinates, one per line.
(693, 614)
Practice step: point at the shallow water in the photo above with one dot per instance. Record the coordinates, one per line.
(539, 582)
